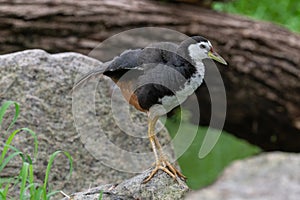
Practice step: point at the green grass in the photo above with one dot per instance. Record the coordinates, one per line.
(202, 172)
(24, 181)
(283, 12)
(100, 195)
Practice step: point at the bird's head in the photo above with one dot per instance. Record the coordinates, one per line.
(198, 48)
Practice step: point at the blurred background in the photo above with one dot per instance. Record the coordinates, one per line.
(259, 39)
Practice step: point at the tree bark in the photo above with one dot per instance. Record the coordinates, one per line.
(262, 79)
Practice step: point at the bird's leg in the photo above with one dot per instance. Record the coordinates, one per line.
(152, 137)
(160, 161)
(164, 160)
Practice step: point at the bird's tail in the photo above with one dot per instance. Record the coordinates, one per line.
(88, 76)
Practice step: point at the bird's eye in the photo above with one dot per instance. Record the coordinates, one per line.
(202, 46)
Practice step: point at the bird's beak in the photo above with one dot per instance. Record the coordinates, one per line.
(215, 56)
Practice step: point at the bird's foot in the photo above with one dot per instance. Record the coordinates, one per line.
(168, 168)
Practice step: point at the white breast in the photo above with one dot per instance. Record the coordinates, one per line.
(170, 102)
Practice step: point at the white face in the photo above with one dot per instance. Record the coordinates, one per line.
(199, 51)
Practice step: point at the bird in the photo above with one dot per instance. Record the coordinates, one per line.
(157, 78)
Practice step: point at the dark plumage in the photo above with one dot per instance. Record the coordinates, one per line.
(157, 78)
(149, 65)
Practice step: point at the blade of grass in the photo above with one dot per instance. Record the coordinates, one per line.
(52, 193)
(4, 181)
(28, 187)
(38, 193)
(7, 144)
(31, 179)
(2, 196)
(25, 180)
(33, 134)
(11, 137)
(6, 160)
(3, 110)
(23, 177)
(5, 191)
(100, 195)
(12, 148)
(51, 159)
(10, 181)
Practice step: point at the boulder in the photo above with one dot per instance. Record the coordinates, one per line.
(161, 186)
(103, 151)
(269, 176)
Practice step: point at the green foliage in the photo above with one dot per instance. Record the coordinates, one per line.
(284, 12)
(100, 195)
(25, 180)
(201, 172)
(3, 110)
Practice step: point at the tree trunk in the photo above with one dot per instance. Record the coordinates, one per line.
(262, 79)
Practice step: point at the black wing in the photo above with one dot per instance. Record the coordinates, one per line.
(137, 61)
(158, 53)
(163, 78)
(159, 81)
(127, 60)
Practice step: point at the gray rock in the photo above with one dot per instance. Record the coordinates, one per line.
(41, 83)
(161, 186)
(270, 176)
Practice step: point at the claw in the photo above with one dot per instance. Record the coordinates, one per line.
(175, 171)
(165, 166)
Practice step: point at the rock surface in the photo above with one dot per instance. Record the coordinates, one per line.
(41, 84)
(270, 176)
(161, 186)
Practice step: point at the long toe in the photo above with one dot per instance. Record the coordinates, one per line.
(154, 171)
(166, 167)
(175, 171)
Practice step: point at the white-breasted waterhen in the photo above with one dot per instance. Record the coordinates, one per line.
(155, 80)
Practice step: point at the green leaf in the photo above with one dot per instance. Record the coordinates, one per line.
(51, 159)
(38, 193)
(52, 193)
(23, 176)
(3, 197)
(6, 160)
(35, 140)
(31, 180)
(100, 195)
(282, 12)
(3, 110)
(11, 137)
(4, 192)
